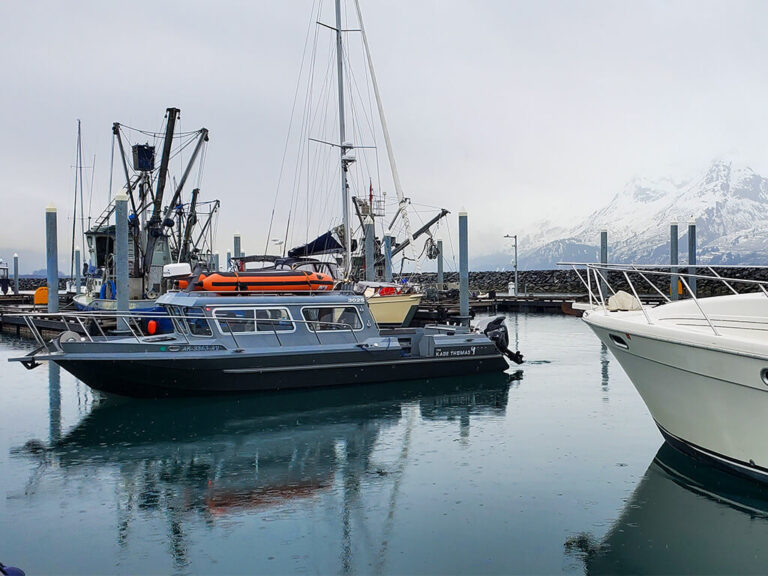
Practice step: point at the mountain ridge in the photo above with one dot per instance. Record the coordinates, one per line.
(728, 202)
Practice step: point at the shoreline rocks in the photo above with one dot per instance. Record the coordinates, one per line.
(565, 281)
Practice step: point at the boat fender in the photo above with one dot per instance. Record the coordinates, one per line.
(497, 333)
(152, 327)
(10, 570)
(108, 291)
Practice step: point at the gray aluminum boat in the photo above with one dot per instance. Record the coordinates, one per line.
(232, 344)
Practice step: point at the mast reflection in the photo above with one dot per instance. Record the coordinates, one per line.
(208, 459)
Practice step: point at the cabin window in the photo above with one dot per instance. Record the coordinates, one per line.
(273, 320)
(332, 318)
(250, 320)
(236, 320)
(177, 320)
(197, 322)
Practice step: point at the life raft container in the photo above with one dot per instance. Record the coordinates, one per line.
(262, 281)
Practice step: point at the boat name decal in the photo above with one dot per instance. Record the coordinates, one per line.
(460, 351)
(192, 348)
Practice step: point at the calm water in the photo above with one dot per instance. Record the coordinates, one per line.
(555, 469)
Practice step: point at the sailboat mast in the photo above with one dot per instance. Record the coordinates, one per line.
(74, 207)
(342, 145)
(80, 180)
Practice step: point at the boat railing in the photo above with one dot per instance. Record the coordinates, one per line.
(99, 325)
(596, 278)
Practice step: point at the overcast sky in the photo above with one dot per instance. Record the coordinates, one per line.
(517, 111)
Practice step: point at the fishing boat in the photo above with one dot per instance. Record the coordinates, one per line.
(390, 304)
(180, 231)
(250, 343)
(700, 364)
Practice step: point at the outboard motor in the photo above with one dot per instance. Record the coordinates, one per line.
(496, 331)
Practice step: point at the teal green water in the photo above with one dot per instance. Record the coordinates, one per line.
(553, 469)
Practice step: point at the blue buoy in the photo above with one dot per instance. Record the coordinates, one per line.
(108, 290)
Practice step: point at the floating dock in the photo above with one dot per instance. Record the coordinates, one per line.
(546, 303)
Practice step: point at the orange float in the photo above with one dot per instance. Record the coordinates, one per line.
(262, 281)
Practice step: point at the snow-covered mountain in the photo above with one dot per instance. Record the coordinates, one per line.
(729, 204)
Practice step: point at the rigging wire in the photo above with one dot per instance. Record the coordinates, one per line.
(305, 145)
(74, 207)
(80, 160)
(159, 134)
(290, 125)
(111, 170)
(201, 164)
(303, 134)
(90, 197)
(181, 160)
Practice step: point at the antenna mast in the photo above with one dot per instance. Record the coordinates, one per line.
(344, 147)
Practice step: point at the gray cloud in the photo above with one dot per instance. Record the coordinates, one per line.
(515, 110)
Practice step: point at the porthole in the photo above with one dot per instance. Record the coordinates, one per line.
(764, 375)
(619, 341)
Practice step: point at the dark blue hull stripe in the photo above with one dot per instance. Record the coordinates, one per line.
(721, 461)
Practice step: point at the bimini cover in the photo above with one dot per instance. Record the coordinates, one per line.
(623, 301)
(328, 243)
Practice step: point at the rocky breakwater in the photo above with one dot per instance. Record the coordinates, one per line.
(565, 281)
(530, 281)
(35, 283)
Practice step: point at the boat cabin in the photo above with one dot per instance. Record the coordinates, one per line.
(271, 319)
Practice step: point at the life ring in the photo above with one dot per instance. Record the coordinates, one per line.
(104, 295)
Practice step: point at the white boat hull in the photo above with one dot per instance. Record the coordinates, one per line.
(88, 302)
(708, 399)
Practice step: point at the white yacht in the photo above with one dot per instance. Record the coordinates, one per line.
(700, 364)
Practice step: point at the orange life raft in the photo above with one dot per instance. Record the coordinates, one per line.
(262, 281)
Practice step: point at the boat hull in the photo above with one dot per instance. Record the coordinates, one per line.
(87, 303)
(206, 376)
(708, 402)
(393, 310)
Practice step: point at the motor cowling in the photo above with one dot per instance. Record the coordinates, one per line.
(496, 331)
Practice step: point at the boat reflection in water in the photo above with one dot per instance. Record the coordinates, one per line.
(685, 517)
(205, 458)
